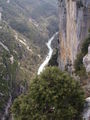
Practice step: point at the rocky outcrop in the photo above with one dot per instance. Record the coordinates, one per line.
(86, 114)
(0, 13)
(86, 60)
(74, 25)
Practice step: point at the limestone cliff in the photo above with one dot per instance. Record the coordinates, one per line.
(74, 24)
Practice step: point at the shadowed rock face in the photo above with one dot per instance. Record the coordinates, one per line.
(86, 114)
(86, 60)
(74, 24)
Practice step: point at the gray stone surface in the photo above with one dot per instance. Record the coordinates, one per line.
(86, 60)
(86, 114)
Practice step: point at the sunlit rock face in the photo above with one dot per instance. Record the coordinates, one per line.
(86, 60)
(74, 24)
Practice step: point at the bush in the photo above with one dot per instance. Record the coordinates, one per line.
(53, 95)
(79, 67)
(53, 60)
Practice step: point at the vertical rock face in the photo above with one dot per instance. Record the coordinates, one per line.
(0, 13)
(74, 24)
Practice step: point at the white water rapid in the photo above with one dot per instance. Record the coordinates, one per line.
(49, 55)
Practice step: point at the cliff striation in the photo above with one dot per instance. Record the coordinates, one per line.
(74, 25)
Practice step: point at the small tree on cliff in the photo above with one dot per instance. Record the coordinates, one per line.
(79, 67)
(53, 95)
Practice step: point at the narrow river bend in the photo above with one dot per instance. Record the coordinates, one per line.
(49, 55)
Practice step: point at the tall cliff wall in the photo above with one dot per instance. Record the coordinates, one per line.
(74, 16)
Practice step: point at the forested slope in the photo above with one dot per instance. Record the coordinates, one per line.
(23, 33)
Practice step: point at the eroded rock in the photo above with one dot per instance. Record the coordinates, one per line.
(86, 115)
(86, 60)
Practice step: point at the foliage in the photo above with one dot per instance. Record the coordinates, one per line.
(53, 95)
(53, 25)
(30, 18)
(80, 4)
(79, 67)
(29, 31)
(8, 70)
(7, 79)
(53, 60)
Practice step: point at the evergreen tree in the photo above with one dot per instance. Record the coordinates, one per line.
(53, 95)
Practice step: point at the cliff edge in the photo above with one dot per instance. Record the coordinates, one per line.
(74, 16)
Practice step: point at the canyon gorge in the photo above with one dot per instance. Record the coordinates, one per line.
(31, 31)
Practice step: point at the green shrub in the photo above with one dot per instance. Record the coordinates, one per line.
(53, 60)
(53, 95)
(79, 67)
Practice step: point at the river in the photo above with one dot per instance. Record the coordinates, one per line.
(49, 55)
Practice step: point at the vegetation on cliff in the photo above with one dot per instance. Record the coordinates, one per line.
(52, 95)
(8, 81)
(15, 71)
(53, 60)
(24, 29)
(79, 67)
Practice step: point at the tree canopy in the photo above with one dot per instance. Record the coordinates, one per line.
(53, 95)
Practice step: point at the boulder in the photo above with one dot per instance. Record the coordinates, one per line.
(86, 61)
